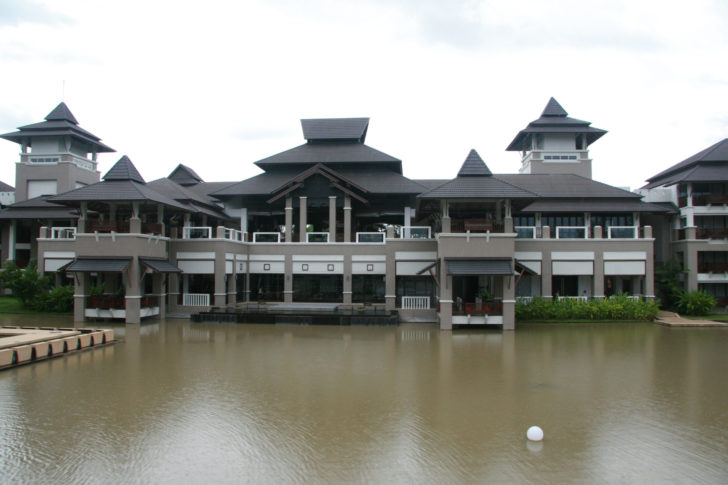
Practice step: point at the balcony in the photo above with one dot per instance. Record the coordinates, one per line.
(63, 232)
(711, 233)
(114, 306)
(710, 199)
(713, 268)
(415, 232)
(579, 232)
(317, 237)
(571, 232)
(622, 232)
(370, 237)
(476, 225)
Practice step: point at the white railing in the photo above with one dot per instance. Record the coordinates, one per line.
(196, 299)
(202, 232)
(370, 237)
(266, 237)
(415, 232)
(415, 302)
(525, 232)
(317, 237)
(234, 234)
(63, 233)
(622, 232)
(524, 299)
(571, 232)
(583, 299)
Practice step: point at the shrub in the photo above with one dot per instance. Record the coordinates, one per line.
(695, 303)
(617, 307)
(25, 284)
(59, 299)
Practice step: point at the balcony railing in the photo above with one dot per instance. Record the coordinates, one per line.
(107, 226)
(706, 233)
(317, 237)
(487, 307)
(525, 232)
(196, 299)
(234, 235)
(712, 267)
(63, 233)
(266, 237)
(571, 232)
(622, 232)
(202, 232)
(710, 199)
(415, 302)
(475, 225)
(370, 237)
(415, 232)
(106, 302)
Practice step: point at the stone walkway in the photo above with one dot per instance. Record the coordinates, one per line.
(674, 320)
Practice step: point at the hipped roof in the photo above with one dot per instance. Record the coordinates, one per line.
(705, 166)
(554, 119)
(59, 122)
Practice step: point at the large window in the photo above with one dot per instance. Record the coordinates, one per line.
(266, 287)
(555, 220)
(610, 220)
(318, 288)
(367, 288)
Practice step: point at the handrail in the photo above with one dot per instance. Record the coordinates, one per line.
(234, 234)
(260, 237)
(523, 232)
(415, 302)
(318, 237)
(196, 232)
(416, 232)
(570, 228)
(196, 299)
(370, 237)
(619, 229)
(63, 233)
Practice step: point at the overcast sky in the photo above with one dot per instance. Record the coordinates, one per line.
(220, 85)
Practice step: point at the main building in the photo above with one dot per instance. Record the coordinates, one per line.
(335, 221)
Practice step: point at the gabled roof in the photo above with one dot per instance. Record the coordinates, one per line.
(59, 122)
(353, 129)
(554, 119)
(706, 165)
(184, 175)
(474, 166)
(330, 153)
(6, 188)
(124, 170)
(477, 188)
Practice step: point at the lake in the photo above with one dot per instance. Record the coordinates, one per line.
(181, 402)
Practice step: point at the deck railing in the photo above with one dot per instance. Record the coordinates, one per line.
(415, 302)
(234, 234)
(63, 233)
(370, 237)
(487, 307)
(622, 232)
(525, 232)
(317, 237)
(415, 232)
(571, 232)
(196, 299)
(201, 232)
(266, 237)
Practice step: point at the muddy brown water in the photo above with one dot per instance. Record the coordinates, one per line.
(180, 402)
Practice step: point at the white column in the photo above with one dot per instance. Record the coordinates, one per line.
(407, 217)
(244, 220)
(11, 240)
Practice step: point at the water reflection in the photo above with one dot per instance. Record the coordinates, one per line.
(189, 402)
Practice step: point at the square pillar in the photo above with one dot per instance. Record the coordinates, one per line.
(347, 279)
(347, 218)
(80, 293)
(445, 218)
(546, 273)
(232, 289)
(332, 218)
(159, 290)
(302, 219)
(445, 297)
(133, 297)
(288, 280)
(598, 286)
(81, 223)
(509, 302)
(220, 275)
(289, 220)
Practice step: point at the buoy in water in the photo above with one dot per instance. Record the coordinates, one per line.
(534, 433)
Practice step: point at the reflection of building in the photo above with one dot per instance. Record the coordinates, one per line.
(699, 237)
(330, 221)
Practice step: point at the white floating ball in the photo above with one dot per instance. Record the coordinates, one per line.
(534, 433)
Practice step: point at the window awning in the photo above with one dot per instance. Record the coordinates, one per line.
(465, 267)
(160, 265)
(94, 265)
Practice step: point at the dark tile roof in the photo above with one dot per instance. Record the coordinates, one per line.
(335, 129)
(430, 183)
(38, 208)
(177, 192)
(474, 166)
(160, 265)
(59, 122)
(554, 119)
(565, 186)
(593, 205)
(329, 153)
(124, 170)
(184, 175)
(478, 188)
(714, 154)
(115, 191)
(6, 188)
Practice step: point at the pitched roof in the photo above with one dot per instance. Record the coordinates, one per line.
(715, 155)
(124, 169)
(565, 186)
(184, 175)
(59, 122)
(6, 188)
(477, 188)
(474, 166)
(594, 205)
(554, 119)
(37, 208)
(329, 153)
(354, 129)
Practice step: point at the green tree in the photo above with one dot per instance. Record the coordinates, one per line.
(25, 284)
(667, 281)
